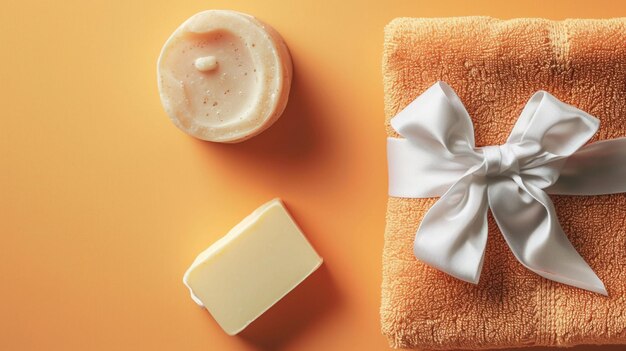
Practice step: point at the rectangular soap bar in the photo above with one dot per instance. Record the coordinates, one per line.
(247, 271)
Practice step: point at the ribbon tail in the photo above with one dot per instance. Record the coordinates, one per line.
(528, 221)
(453, 233)
(596, 169)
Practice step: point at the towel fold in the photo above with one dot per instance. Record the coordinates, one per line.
(495, 66)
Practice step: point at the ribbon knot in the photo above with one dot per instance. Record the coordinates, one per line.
(438, 158)
(499, 160)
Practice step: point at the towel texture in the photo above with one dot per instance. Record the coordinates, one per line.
(495, 66)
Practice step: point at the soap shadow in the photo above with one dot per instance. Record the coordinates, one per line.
(291, 142)
(307, 304)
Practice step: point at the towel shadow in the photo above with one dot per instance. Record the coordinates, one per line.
(303, 306)
(575, 348)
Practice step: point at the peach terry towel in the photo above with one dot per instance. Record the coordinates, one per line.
(495, 66)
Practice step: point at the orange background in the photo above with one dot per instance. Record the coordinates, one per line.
(104, 203)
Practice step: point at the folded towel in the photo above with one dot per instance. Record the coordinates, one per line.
(495, 66)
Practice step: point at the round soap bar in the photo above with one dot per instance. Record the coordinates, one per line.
(224, 76)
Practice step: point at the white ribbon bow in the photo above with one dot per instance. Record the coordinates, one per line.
(438, 157)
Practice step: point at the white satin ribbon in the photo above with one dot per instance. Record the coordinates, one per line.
(544, 153)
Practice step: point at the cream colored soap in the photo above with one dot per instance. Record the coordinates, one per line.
(247, 271)
(224, 76)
